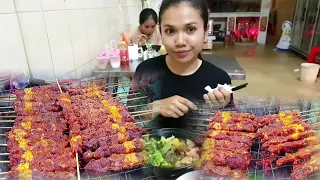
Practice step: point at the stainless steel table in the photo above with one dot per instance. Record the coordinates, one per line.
(227, 63)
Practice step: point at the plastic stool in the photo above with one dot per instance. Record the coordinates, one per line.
(313, 54)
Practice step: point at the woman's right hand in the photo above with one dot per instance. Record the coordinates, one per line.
(175, 106)
(142, 41)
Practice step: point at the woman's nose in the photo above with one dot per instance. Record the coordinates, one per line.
(180, 41)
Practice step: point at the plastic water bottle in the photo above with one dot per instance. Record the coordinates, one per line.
(150, 49)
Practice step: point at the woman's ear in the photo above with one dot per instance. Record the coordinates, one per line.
(205, 37)
(206, 34)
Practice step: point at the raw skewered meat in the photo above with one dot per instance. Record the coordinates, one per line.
(287, 146)
(293, 137)
(303, 170)
(300, 155)
(117, 162)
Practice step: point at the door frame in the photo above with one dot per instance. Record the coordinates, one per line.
(315, 26)
(295, 17)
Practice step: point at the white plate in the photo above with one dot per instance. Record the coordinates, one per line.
(196, 175)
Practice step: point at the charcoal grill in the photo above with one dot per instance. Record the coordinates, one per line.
(196, 122)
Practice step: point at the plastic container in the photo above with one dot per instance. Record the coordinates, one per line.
(115, 60)
(309, 72)
(124, 54)
(102, 61)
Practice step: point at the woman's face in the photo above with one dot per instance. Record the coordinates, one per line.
(183, 32)
(148, 27)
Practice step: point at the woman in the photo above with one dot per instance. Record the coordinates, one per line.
(148, 29)
(181, 74)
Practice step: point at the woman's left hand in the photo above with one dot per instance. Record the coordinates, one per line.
(221, 96)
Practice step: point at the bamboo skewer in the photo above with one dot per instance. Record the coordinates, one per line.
(78, 168)
(312, 113)
(139, 112)
(7, 107)
(8, 116)
(134, 94)
(313, 110)
(128, 100)
(142, 114)
(146, 121)
(7, 112)
(316, 124)
(77, 156)
(117, 85)
(7, 121)
(9, 96)
(122, 92)
(6, 101)
(140, 105)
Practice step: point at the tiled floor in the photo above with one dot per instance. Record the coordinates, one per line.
(269, 72)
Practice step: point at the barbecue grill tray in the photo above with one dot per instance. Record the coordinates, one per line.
(194, 123)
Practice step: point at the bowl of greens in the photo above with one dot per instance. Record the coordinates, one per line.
(172, 152)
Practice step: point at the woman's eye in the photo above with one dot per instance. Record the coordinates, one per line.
(191, 29)
(169, 31)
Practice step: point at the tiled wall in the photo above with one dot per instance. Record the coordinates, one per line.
(57, 36)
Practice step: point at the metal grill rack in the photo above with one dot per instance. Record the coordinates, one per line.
(135, 101)
(196, 121)
(309, 110)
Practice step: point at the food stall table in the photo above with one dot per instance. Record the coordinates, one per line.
(227, 63)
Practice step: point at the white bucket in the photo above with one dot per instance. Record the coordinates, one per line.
(309, 72)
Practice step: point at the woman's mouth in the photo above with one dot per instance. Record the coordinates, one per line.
(182, 54)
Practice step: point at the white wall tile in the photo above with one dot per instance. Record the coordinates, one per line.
(92, 25)
(60, 43)
(53, 4)
(110, 3)
(11, 46)
(75, 36)
(114, 15)
(139, 4)
(36, 42)
(128, 2)
(6, 6)
(133, 16)
(88, 4)
(98, 3)
(74, 4)
(103, 28)
(28, 5)
(79, 40)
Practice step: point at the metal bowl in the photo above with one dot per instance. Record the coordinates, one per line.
(154, 47)
(168, 173)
